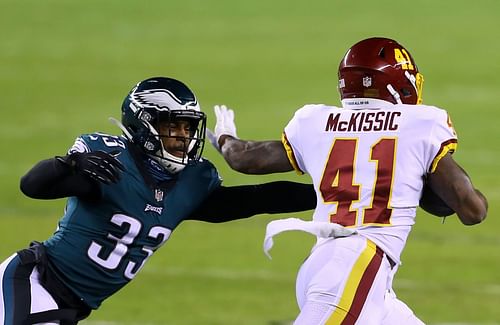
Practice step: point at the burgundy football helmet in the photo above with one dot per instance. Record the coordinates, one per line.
(379, 68)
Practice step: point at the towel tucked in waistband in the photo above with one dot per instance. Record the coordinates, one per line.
(319, 229)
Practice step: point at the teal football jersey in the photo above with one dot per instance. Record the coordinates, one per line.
(101, 245)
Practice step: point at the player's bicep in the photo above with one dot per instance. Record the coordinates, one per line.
(445, 178)
(274, 158)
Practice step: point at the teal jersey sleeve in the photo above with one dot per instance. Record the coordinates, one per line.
(100, 246)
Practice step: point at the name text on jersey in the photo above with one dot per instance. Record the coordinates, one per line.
(363, 121)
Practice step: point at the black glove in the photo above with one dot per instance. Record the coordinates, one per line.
(97, 165)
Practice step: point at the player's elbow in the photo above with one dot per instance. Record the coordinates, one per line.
(28, 186)
(470, 220)
(473, 217)
(475, 211)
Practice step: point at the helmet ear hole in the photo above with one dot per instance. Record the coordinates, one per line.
(405, 92)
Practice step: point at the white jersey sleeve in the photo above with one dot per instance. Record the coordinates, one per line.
(443, 138)
(294, 132)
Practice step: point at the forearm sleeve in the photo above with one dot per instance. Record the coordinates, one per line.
(237, 202)
(51, 179)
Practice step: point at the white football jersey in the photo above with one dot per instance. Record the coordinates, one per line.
(368, 164)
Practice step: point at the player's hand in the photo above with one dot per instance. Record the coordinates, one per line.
(224, 125)
(213, 139)
(98, 165)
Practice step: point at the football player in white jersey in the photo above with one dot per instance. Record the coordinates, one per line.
(369, 160)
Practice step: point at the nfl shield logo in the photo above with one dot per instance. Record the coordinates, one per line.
(367, 81)
(158, 195)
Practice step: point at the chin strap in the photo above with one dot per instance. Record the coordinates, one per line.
(394, 94)
(169, 164)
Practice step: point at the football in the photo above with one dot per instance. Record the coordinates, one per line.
(433, 204)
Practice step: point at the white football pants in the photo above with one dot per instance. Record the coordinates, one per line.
(29, 297)
(346, 281)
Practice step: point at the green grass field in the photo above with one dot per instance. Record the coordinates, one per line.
(65, 67)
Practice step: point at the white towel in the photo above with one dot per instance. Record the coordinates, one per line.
(319, 229)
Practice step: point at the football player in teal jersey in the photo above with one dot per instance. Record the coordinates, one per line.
(126, 194)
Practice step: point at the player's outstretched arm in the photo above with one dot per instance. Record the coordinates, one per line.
(450, 182)
(255, 157)
(243, 201)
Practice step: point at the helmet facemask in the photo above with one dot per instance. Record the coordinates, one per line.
(191, 146)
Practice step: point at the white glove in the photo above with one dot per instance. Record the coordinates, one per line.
(213, 140)
(224, 125)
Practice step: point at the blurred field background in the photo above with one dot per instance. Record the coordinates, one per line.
(65, 67)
